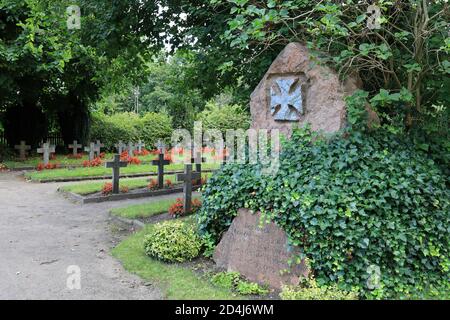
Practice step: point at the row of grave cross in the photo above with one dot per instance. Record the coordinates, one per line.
(130, 147)
(93, 149)
(187, 177)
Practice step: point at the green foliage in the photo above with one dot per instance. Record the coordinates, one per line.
(403, 62)
(227, 280)
(173, 242)
(224, 117)
(250, 288)
(233, 281)
(154, 127)
(349, 203)
(129, 126)
(309, 290)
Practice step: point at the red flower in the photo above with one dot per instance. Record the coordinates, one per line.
(168, 183)
(134, 160)
(177, 209)
(153, 184)
(107, 188)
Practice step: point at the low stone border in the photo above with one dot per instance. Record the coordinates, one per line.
(132, 222)
(122, 196)
(132, 175)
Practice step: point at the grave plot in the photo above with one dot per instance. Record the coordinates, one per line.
(66, 169)
(91, 192)
(154, 211)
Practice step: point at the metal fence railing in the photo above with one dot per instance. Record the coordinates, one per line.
(56, 140)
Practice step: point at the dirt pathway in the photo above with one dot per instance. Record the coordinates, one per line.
(42, 234)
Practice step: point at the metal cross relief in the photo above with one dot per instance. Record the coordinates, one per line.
(286, 102)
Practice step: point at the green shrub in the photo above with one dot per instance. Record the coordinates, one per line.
(128, 126)
(224, 117)
(227, 280)
(173, 241)
(155, 126)
(233, 281)
(250, 288)
(352, 203)
(309, 290)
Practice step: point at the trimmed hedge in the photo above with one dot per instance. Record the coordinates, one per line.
(128, 126)
(224, 117)
(355, 203)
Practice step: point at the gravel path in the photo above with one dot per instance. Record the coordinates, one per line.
(42, 234)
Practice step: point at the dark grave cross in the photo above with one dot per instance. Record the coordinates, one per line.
(224, 159)
(198, 162)
(23, 148)
(187, 177)
(91, 150)
(116, 164)
(75, 146)
(161, 162)
(46, 149)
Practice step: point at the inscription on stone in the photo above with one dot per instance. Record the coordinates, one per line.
(260, 252)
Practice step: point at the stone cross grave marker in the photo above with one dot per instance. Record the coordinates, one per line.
(97, 147)
(161, 146)
(131, 148)
(91, 150)
(187, 177)
(120, 147)
(161, 162)
(46, 150)
(116, 164)
(140, 145)
(75, 146)
(23, 148)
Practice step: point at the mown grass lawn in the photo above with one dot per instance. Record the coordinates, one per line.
(103, 171)
(145, 210)
(60, 159)
(93, 187)
(177, 281)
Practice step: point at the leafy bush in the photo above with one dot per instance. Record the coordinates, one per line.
(155, 126)
(350, 203)
(233, 281)
(173, 241)
(250, 288)
(309, 290)
(129, 126)
(226, 280)
(224, 117)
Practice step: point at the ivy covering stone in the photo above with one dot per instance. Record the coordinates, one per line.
(349, 202)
